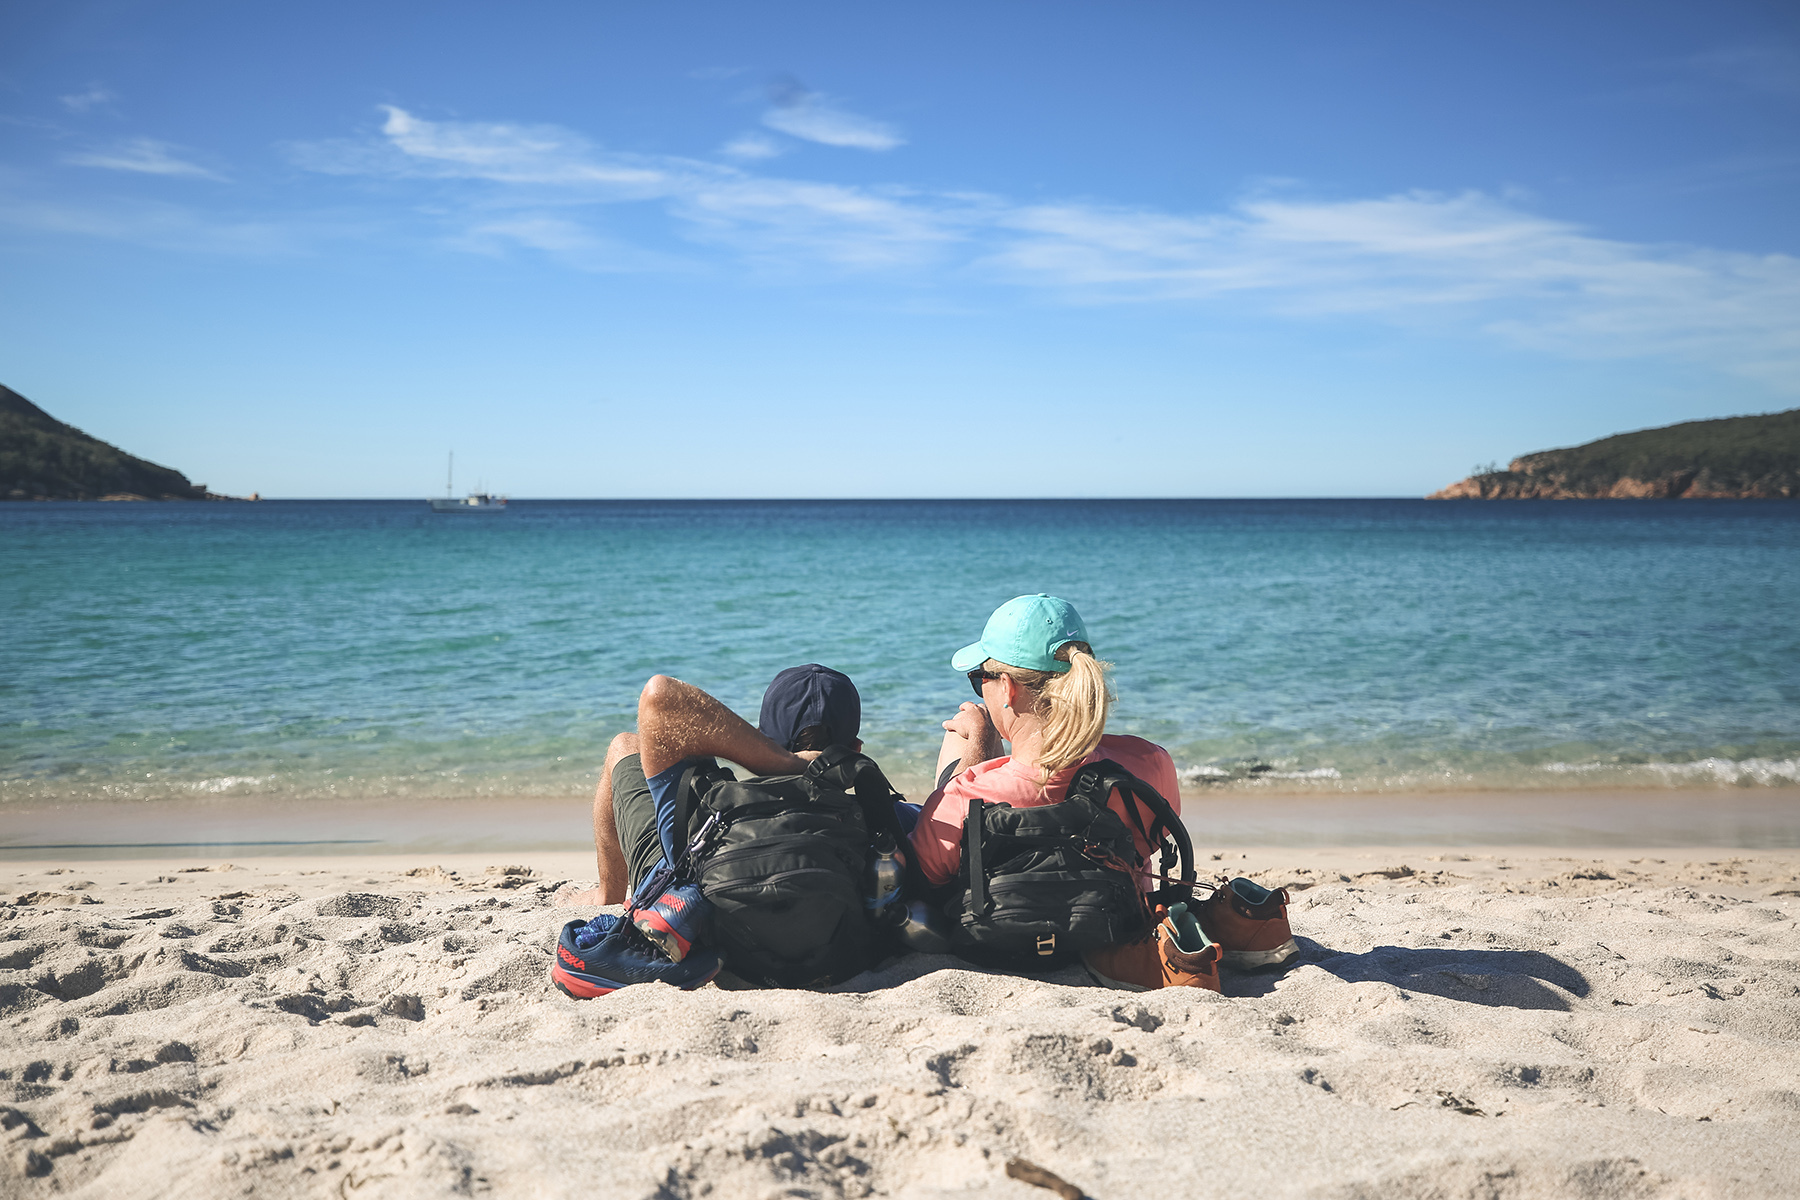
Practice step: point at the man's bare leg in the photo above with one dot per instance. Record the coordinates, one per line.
(609, 856)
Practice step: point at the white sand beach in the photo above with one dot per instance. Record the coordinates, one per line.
(1508, 1023)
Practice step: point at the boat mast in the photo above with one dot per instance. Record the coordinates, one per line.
(449, 477)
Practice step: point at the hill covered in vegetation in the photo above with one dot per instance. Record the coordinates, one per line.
(1730, 458)
(43, 459)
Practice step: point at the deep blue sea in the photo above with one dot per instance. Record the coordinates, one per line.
(339, 648)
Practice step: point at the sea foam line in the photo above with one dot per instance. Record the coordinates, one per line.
(1768, 772)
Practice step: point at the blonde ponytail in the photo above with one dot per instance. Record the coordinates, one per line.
(1073, 705)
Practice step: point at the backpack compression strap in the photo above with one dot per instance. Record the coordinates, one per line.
(1098, 780)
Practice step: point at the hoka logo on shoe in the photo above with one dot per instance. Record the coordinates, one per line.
(673, 903)
(562, 952)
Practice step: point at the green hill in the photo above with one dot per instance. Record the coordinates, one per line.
(43, 459)
(1729, 458)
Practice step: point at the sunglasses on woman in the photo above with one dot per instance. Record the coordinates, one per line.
(977, 677)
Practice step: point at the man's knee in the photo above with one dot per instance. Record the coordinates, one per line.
(621, 745)
(658, 696)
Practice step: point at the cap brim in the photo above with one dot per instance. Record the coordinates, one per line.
(969, 657)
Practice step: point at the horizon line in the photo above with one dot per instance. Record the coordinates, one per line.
(415, 499)
(512, 499)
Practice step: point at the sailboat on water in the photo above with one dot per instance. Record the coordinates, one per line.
(476, 501)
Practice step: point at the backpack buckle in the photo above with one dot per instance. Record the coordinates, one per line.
(1046, 945)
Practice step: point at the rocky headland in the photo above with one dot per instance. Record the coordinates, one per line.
(1733, 458)
(43, 459)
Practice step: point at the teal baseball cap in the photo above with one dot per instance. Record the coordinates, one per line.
(1026, 631)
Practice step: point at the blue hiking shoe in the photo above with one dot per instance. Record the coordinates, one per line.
(616, 955)
(676, 920)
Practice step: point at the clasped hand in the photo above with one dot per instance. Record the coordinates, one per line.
(972, 723)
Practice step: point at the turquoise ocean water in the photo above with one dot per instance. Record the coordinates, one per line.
(374, 649)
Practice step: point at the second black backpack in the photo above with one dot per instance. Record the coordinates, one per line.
(1039, 885)
(785, 866)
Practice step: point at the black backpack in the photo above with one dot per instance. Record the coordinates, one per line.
(785, 861)
(1039, 885)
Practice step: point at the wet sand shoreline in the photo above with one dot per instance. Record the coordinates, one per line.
(1742, 818)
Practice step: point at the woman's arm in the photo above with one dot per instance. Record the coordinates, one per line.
(969, 738)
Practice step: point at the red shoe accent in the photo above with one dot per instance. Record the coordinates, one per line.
(578, 989)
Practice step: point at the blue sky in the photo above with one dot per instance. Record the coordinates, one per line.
(1190, 249)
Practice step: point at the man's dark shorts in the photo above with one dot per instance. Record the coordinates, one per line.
(634, 818)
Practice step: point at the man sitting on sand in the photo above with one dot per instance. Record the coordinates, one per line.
(804, 710)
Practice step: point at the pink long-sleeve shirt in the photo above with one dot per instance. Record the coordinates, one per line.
(937, 838)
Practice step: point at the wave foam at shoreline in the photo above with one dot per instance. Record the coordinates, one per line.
(1749, 772)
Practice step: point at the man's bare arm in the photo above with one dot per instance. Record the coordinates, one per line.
(677, 720)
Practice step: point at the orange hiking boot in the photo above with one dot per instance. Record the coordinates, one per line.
(1189, 957)
(1249, 922)
(1133, 966)
(1174, 954)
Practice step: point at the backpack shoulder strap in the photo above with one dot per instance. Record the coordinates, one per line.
(973, 824)
(1099, 779)
(683, 805)
(846, 770)
(838, 767)
(695, 781)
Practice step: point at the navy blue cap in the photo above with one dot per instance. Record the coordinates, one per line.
(800, 697)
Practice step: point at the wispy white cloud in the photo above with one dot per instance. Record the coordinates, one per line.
(1469, 262)
(816, 121)
(540, 154)
(498, 152)
(569, 242)
(26, 203)
(812, 117)
(144, 156)
(787, 224)
(538, 231)
(791, 222)
(80, 102)
(1766, 71)
(1465, 259)
(1769, 68)
(751, 147)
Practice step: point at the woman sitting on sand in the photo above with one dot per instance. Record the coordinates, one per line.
(1042, 690)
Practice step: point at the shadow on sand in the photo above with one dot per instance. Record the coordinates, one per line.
(1496, 978)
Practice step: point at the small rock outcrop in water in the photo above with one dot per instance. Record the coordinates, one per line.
(1733, 458)
(43, 459)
